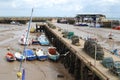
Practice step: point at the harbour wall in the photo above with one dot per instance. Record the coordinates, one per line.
(78, 66)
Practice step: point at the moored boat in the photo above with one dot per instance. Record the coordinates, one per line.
(53, 54)
(35, 40)
(43, 40)
(29, 54)
(41, 54)
(110, 36)
(19, 56)
(10, 57)
(23, 40)
(80, 24)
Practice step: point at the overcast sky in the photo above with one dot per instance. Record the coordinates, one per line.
(62, 8)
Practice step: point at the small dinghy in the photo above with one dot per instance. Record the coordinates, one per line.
(22, 40)
(110, 36)
(41, 54)
(43, 40)
(29, 54)
(19, 56)
(53, 54)
(10, 57)
(35, 40)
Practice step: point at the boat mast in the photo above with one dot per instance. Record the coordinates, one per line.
(28, 30)
(25, 46)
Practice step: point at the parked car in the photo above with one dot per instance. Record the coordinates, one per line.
(116, 28)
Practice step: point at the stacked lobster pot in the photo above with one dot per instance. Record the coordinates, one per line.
(75, 40)
(65, 33)
(93, 49)
(51, 25)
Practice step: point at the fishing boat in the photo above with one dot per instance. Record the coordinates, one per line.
(10, 57)
(53, 54)
(43, 40)
(41, 54)
(110, 36)
(19, 56)
(29, 54)
(81, 24)
(35, 40)
(23, 40)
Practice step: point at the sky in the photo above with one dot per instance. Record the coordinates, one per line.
(59, 8)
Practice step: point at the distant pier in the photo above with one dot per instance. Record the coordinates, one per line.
(87, 18)
(24, 20)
